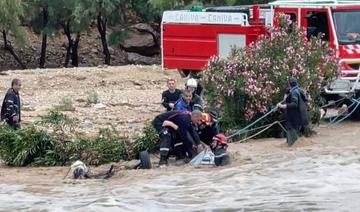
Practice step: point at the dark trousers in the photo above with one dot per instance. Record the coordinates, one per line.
(13, 124)
(182, 149)
(291, 136)
(166, 138)
(169, 142)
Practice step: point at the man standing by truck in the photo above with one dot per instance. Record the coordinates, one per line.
(10, 110)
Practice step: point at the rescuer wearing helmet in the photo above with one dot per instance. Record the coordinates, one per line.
(208, 127)
(219, 147)
(192, 85)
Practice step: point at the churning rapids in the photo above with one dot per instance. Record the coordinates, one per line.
(318, 174)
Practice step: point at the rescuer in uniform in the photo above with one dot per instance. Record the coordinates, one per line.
(208, 127)
(192, 85)
(176, 130)
(219, 147)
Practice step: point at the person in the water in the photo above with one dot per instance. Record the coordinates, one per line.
(81, 171)
(219, 147)
(208, 127)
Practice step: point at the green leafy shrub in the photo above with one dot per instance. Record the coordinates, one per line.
(104, 148)
(92, 98)
(58, 122)
(245, 85)
(65, 104)
(24, 146)
(55, 142)
(148, 140)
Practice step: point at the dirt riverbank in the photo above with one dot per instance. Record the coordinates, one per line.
(128, 95)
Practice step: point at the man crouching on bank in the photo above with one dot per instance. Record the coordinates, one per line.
(177, 134)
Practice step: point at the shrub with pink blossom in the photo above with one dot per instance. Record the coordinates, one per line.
(246, 84)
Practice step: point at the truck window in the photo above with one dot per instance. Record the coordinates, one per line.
(347, 29)
(317, 23)
(293, 20)
(226, 42)
(292, 17)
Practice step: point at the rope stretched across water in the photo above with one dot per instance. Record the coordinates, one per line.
(332, 122)
(243, 130)
(266, 127)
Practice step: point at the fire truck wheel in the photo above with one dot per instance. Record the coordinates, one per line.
(184, 73)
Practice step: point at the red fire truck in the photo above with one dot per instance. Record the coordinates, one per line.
(189, 38)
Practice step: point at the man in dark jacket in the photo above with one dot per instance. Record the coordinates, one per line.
(170, 96)
(208, 128)
(196, 101)
(10, 110)
(296, 115)
(175, 128)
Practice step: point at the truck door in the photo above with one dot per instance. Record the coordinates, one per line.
(317, 22)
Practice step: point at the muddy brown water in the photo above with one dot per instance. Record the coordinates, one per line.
(317, 174)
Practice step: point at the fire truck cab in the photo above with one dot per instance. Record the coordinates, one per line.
(337, 21)
(189, 38)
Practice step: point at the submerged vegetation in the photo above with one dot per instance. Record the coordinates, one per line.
(55, 141)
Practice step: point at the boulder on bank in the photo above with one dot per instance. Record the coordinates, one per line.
(137, 59)
(141, 39)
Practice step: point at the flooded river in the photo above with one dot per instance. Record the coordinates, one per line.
(266, 176)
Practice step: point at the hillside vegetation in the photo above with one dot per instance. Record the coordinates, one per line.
(47, 33)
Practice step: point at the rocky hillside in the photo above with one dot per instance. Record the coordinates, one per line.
(141, 46)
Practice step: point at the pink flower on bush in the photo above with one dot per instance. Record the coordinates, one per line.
(255, 78)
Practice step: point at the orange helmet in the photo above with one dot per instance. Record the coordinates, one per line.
(206, 118)
(221, 138)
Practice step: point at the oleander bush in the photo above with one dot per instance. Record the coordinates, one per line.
(253, 79)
